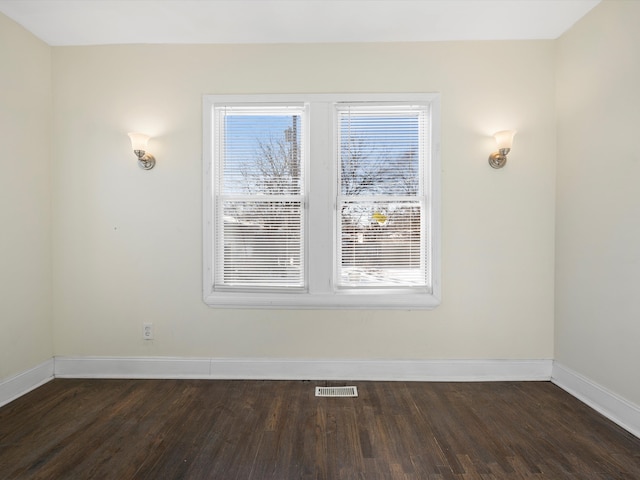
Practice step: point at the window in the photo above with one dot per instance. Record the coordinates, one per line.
(321, 201)
(260, 196)
(381, 200)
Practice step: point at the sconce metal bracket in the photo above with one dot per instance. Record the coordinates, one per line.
(499, 159)
(146, 161)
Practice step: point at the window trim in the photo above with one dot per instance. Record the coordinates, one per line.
(321, 292)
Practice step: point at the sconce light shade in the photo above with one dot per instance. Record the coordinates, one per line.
(146, 161)
(139, 141)
(504, 140)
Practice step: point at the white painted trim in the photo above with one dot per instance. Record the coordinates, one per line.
(132, 367)
(22, 383)
(303, 369)
(383, 370)
(609, 404)
(604, 401)
(319, 293)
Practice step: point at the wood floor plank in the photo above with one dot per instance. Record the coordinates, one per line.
(258, 430)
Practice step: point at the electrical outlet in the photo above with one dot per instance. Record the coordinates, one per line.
(147, 331)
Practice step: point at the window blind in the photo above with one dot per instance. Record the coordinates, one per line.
(381, 204)
(260, 197)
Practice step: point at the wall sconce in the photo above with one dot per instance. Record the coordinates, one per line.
(504, 139)
(146, 161)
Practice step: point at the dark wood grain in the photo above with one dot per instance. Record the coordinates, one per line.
(200, 429)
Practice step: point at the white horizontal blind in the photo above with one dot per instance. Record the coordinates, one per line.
(259, 197)
(381, 225)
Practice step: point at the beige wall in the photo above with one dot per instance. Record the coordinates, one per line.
(598, 206)
(25, 241)
(127, 244)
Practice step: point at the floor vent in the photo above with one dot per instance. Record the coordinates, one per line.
(336, 391)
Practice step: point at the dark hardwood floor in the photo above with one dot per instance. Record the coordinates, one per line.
(204, 429)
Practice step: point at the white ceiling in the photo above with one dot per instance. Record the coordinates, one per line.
(97, 22)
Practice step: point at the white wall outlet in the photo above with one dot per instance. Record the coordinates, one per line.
(147, 331)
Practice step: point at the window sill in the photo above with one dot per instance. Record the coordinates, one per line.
(326, 301)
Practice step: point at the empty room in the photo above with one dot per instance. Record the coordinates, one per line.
(286, 239)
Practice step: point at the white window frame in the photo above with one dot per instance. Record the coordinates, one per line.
(321, 291)
(220, 198)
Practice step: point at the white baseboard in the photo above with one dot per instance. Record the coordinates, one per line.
(612, 406)
(132, 367)
(391, 370)
(22, 383)
(295, 369)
